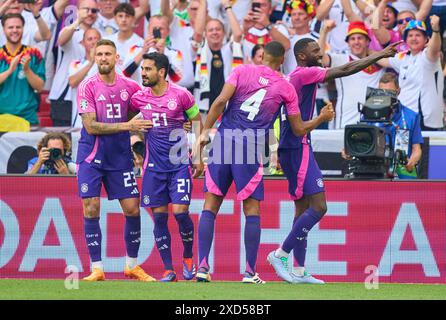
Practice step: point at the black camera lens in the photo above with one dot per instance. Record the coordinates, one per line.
(360, 142)
(55, 154)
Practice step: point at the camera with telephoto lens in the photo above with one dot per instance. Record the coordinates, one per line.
(369, 142)
(55, 154)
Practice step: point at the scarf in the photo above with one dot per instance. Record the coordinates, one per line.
(231, 59)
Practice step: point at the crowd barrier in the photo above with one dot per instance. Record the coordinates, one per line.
(391, 231)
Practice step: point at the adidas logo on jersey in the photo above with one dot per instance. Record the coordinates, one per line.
(101, 98)
(148, 107)
(185, 198)
(135, 191)
(263, 81)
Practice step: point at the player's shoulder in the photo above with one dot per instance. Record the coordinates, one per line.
(88, 82)
(179, 90)
(128, 81)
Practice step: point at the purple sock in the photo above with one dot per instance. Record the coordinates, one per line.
(132, 235)
(299, 232)
(186, 228)
(252, 241)
(300, 249)
(205, 237)
(162, 239)
(93, 237)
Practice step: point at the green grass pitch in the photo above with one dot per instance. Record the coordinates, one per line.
(12, 289)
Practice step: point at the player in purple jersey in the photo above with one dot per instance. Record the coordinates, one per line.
(254, 95)
(296, 158)
(167, 176)
(104, 157)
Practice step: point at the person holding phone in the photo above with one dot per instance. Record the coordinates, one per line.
(157, 40)
(258, 28)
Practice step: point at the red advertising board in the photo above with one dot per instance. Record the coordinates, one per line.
(397, 229)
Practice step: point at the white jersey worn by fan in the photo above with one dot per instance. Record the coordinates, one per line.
(123, 47)
(421, 83)
(336, 37)
(352, 89)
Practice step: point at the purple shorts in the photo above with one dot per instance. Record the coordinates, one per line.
(162, 188)
(248, 180)
(119, 184)
(301, 170)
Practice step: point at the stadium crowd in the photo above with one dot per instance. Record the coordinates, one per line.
(47, 48)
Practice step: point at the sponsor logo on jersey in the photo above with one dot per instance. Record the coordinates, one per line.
(101, 98)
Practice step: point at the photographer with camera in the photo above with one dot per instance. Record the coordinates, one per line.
(52, 159)
(405, 132)
(138, 151)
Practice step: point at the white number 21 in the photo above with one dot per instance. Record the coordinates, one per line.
(252, 104)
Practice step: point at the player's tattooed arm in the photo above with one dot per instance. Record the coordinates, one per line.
(358, 65)
(100, 128)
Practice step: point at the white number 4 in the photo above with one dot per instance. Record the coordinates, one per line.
(252, 104)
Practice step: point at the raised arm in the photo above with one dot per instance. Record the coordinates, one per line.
(358, 65)
(326, 28)
(142, 9)
(381, 33)
(324, 9)
(434, 45)
(166, 10)
(66, 33)
(43, 32)
(423, 9)
(200, 22)
(59, 8)
(237, 32)
(349, 13)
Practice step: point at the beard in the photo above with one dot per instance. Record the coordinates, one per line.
(14, 42)
(149, 83)
(105, 69)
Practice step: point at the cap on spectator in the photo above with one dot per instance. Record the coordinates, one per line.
(357, 27)
(305, 5)
(414, 25)
(395, 11)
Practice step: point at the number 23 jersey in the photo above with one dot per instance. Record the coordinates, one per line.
(110, 103)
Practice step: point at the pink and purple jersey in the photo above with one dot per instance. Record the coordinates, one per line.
(260, 91)
(166, 147)
(110, 103)
(304, 80)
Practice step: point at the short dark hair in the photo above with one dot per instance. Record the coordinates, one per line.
(11, 16)
(161, 61)
(275, 49)
(389, 77)
(256, 48)
(126, 8)
(105, 42)
(301, 45)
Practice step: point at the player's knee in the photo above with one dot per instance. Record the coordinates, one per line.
(321, 209)
(132, 212)
(91, 210)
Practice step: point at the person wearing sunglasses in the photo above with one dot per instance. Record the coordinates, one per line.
(420, 73)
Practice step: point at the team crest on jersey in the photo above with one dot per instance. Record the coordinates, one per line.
(84, 104)
(124, 95)
(84, 187)
(172, 104)
(146, 199)
(320, 183)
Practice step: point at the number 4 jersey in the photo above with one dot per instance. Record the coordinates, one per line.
(260, 92)
(110, 103)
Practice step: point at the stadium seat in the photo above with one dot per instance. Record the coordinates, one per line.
(44, 111)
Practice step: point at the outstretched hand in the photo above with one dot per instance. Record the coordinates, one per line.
(391, 50)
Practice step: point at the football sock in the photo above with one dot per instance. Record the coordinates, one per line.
(252, 242)
(162, 239)
(186, 228)
(93, 237)
(299, 233)
(205, 237)
(132, 235)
